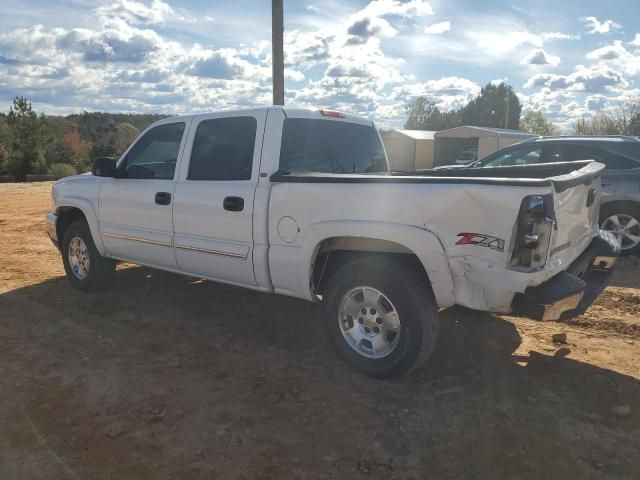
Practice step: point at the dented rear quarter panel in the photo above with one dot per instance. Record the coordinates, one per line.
(429, 219)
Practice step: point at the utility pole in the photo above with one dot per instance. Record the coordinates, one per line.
(277, 56)
(506, 112)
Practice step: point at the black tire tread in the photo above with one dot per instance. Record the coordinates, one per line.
(101, 269)
(419, 294)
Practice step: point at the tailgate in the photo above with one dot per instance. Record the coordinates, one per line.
(576, 204)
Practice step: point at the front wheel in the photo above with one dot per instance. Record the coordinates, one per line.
(382, 316)
(86, 269)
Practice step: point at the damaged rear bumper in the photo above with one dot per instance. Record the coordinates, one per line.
(571, 292)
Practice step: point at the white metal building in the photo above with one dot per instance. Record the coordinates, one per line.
(449, 143)
(409, 150)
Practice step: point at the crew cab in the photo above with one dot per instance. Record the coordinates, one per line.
(302, 203)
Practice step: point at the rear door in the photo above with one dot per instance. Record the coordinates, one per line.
(213, 207)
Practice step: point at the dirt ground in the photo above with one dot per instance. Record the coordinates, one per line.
(166, 377)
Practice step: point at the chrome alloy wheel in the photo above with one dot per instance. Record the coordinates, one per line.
(79, 258)
(625, 228)
(369, 322)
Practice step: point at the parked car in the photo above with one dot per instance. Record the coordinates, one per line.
(302, 203)
(466, 157)
(620, 208)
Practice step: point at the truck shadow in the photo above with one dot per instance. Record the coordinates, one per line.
(627, 273)
(239, 383)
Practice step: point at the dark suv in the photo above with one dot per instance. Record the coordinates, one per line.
(620, 207)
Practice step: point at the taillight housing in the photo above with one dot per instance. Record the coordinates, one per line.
(331, 113)
(536, 221)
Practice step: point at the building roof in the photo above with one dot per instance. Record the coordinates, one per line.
(588, 138)
(468, 131)
(416, 134)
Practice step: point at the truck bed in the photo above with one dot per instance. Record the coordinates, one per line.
(561, 175)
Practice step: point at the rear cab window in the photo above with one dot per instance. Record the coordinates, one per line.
(326, 146)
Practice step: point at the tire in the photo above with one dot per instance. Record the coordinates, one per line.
(392, 351)
(621, 215)
(86, 269)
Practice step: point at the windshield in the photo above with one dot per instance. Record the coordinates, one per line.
(325, 146)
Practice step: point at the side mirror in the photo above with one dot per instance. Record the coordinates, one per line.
(104, 167)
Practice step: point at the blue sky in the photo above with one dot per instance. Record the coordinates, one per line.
(568, 59)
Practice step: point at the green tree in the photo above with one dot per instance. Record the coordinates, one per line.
(59, 170)
(29, 139)
(599, 124)
(536, 123)
(122, 137)
(494, 105)
(5, 145)
(634, 125)
(424, 115)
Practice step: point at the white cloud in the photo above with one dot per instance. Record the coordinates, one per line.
(540, 57)
(411, 8)
(499, 43)
(559, 36)
(618, 57)
(295, 75)
(447, 92)
(594, 79)
(125, 58)
(596, 102)
(596, 26)
(438, 28)
(609, 52)
(134, 12)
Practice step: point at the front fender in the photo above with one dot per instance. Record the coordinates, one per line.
(89, 212)
(423, 243)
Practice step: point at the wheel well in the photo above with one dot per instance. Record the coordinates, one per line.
(334, 252)
(66, 216)
(619, 204)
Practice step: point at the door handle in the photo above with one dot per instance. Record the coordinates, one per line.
(233, 204)
(163, 198)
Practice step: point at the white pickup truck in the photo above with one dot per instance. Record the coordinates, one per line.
(302, 203)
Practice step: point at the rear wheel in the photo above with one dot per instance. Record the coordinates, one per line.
(86, 269)
(382, 317)
(623, 221)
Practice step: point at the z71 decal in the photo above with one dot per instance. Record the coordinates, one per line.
(481, 240)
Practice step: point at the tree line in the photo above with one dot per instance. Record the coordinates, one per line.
(62, 146)
(497, 106)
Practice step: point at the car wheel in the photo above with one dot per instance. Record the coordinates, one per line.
(86, 269)
(382, 317)
(623, 221)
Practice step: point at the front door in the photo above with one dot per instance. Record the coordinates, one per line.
(136, 209)
(213, 205)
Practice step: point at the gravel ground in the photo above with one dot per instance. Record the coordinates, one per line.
(167, 377)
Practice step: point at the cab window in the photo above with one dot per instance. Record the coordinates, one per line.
(155, 154)
(325, 146)
(223, 149)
